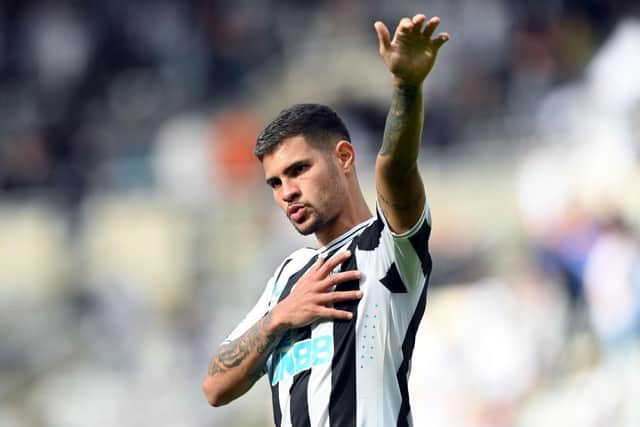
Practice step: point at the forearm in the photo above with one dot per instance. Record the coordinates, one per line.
(398, 154)
(237, 365)
(398, 182)
(409, 56)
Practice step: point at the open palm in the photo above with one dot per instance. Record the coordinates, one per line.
(412, 52)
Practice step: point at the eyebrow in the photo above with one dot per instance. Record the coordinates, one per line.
(289, 169)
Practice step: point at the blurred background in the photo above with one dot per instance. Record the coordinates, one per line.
(136, 230)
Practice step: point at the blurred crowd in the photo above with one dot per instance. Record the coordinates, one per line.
(135, 230)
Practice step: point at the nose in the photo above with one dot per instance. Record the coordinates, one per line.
(290, 191)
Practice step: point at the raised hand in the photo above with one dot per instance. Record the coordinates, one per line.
(312, 296)
(412, 52)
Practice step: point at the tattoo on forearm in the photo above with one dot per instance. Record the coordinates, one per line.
(256, 374)
(234, 353)
(398, 117)
(407, 205)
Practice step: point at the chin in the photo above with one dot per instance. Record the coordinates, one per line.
(306, 228)
(305, 231)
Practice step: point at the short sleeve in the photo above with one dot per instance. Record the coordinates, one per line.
(409, 250)
(260, 309)
(425, 218)
(257, 312)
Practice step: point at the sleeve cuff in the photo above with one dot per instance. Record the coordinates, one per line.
(425, 216)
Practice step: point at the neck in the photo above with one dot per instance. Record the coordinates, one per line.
(353, 213)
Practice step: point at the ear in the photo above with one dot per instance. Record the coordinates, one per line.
(345, 155)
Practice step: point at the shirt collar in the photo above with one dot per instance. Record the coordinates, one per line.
(344, 237)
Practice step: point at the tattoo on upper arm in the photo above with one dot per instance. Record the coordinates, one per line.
(397, 118)
(408, 205)
(234, 353)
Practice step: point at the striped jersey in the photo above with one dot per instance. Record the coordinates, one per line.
(355, 372)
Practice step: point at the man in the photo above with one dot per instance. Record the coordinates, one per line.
(335, 327)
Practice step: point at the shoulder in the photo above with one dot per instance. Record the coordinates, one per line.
(295, 260)
(302, 255)
(379, 233)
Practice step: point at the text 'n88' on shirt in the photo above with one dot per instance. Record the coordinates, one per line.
(351, 373)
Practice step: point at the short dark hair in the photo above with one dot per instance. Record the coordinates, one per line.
(319, 124)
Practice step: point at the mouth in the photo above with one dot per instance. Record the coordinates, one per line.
(296, 212)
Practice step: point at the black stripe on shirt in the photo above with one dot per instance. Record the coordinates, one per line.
(284, 265)
(293, 279)
(349, 235)
(299, 406)
(299, 403)
(275, 399)
(370, 237)
(342, 402)
(420, 243)
(275, 402)
(407, 352)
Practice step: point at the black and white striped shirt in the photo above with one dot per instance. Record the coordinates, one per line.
(351, 373)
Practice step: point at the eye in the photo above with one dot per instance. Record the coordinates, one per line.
(299, 168)
(274, 183)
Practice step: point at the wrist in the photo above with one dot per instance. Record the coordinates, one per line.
(278, 323)
(399, 83)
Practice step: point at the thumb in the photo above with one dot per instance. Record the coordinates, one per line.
(384, 39)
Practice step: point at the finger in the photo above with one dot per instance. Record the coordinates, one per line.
(418, 21)
(335, 279)
(334, 261)
(332, 313)
(384, 40)
(440, 40)
(431, 26)
(404, 26)
(335, 297)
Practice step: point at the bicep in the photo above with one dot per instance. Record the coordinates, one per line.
(401, 195)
